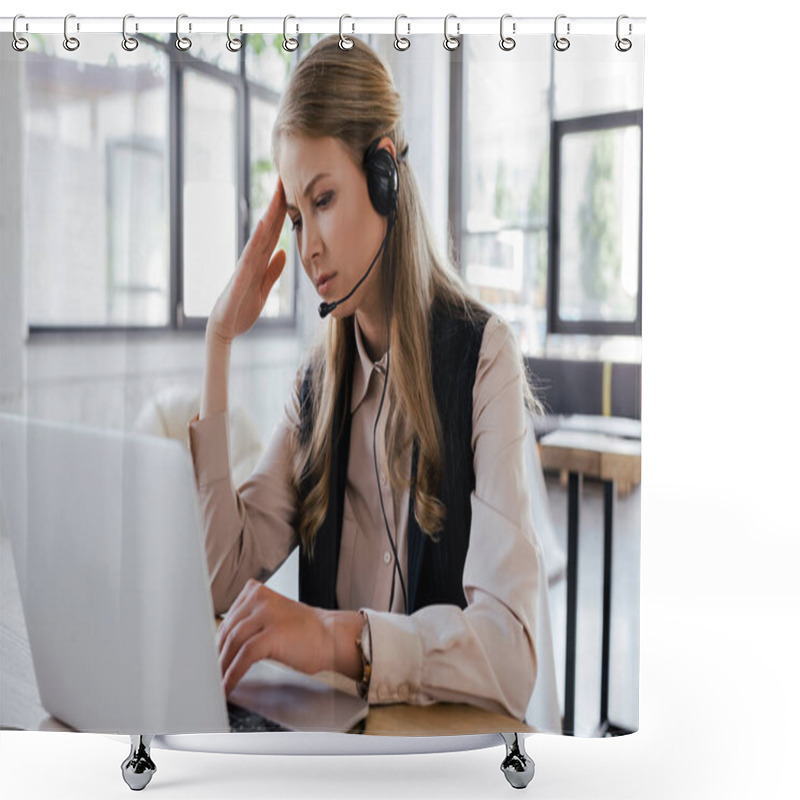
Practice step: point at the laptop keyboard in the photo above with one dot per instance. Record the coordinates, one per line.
(242, 720)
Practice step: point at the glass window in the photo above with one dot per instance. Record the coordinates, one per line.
(599, 224)
(210, 246)
(266, 62)
(268, 66)
(263, 182)
(597, 79)
(164, 38)
(211, 48)
(505, 163)
(138, 234)
(595, 253)
(96, 189)
(566, 277)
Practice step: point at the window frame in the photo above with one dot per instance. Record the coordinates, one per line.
(181, 62)
(558, 129)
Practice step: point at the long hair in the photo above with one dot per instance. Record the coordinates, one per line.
(350, 96)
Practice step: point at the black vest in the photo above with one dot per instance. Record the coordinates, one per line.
(435, 569)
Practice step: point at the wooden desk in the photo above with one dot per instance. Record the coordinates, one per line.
(610, 459)
(440, 719)
(21, 707)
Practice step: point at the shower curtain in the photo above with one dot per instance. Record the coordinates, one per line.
(133, 177)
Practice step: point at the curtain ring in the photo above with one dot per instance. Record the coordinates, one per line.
(400, 42)
(19, 43)
(182, 42)
(506, 42)
(233, 44)
(561, 43)
(345, 42)
(290, 44)
(451, 42)
(70, 42)
(129, 43)
(623, 45)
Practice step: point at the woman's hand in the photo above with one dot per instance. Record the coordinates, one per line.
(243, 299)
(262, 624)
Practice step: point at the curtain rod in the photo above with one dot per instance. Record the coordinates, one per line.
(406, 25)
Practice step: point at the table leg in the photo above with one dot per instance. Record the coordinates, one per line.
(609, 497)
(606, 727)
(573, 506)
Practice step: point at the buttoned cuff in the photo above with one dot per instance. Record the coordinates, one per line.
(396, 658)
(208, 442)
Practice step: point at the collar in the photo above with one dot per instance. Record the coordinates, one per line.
(363, 369)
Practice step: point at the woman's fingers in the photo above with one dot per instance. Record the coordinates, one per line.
(273, 272)
(255, 259)
(252, 650)
(268, 231)
(275, 216)
(258, 249)
(243, 639)
(235, 611)
(265, 624)
(244, 630)
(258, 268)
(241, 629)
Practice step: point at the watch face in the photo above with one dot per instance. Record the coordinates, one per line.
(366, 644)
(364, 640)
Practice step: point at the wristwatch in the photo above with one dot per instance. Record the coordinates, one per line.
(364, 645)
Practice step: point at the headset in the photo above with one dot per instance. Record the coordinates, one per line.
(382, 185)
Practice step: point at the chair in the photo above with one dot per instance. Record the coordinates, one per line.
(168, 414)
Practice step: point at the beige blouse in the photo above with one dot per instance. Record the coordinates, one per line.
(483, 655)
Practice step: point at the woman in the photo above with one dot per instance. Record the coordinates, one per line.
(418, 565)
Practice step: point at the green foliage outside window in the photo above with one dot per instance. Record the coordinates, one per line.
(600, 261)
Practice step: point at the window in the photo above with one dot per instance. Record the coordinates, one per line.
(595, 264)
(138, 238)
(503, 221)
(146, 173)
(228, 105)
(547, 229)
(96, 195)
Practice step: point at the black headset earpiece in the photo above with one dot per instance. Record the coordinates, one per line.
(382, 178)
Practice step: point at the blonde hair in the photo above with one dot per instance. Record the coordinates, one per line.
(350, 96)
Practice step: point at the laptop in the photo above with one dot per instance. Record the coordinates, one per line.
(108, 549)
